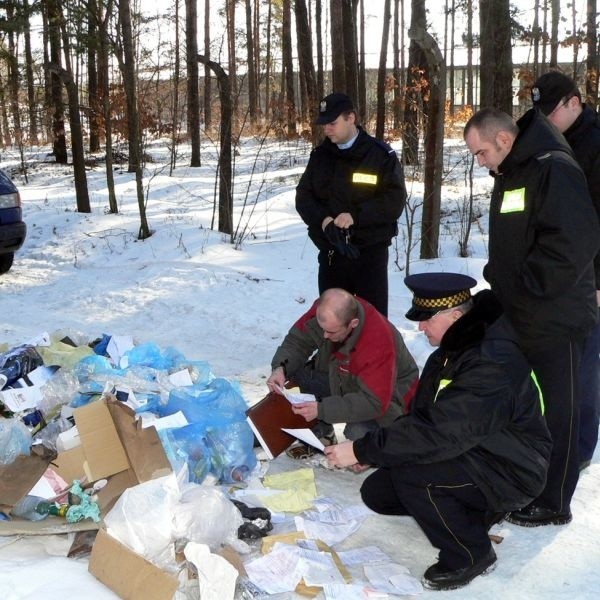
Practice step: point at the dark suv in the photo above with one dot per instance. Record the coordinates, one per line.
(12, 228)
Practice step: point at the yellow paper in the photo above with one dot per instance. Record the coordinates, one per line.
(299, 492)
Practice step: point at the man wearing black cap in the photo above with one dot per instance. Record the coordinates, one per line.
(543, 237)
(474, 445)
(351, 196)
(558, 97)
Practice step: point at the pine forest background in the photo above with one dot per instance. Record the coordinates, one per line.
(97, 81)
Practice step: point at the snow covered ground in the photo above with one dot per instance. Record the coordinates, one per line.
(187, 287)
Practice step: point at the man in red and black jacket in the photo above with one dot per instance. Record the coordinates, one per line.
(352, 358)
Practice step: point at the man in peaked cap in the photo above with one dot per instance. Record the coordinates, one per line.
(474, 445)
(350, 197)
(558, 97)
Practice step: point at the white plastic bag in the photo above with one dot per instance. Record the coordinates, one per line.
(205, 515)
(142, 520)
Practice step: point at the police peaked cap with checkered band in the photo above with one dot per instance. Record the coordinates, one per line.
(433, 292)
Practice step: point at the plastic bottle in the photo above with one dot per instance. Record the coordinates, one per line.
(34, 508)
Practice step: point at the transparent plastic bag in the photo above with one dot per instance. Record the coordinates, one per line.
(187, 446)
(57, 392)
(15, 439)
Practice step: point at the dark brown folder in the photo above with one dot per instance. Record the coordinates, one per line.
(267, 417)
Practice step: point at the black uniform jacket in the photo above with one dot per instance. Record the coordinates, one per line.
(478, 403)
(544, 235)
(584, 138)
(365, 180)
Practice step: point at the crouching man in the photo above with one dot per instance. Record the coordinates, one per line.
(475, 444)
(352, 359)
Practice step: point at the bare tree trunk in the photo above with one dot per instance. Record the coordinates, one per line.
(193, 94)
(13, 78)
(452, 99)
(93, 101)
(288, 70)
(350, 50)
(362, 69)
(127, 64)
(338, 68)
(207, 78)
(398, 95)
(554, 18)
(33, 129)
(591, 79)
(496, 56)
(536, 39)
(306, 64)
(382, 71)
(225, 168)
(104, 90)
(59, 141)
(6, 137)
(176, 80)
(251, 73)
(470, 81)
(230, 13)
(319, 28)
(575, 39)
(414, 83)
(434, 142)
(268, 104)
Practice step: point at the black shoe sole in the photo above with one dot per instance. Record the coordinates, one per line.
(561, 520)
(441, 587)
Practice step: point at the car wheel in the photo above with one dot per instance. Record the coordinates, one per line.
(6, 261)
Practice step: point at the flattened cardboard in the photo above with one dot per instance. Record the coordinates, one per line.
(22, 474)
(69, 464)
(143, 447)
(48, 526)
(128, 574)
(104, 452)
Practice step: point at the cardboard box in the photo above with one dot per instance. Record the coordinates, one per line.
(113, 446)
(127, 573)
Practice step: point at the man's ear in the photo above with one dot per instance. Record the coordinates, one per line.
(504, 139)
(354, 323)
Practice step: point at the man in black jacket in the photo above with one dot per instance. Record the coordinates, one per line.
(350, 197)
(474, 445)
(558, 97)
(543, 237)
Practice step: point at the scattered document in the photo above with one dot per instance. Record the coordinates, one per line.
(306, 435)
(295, 397)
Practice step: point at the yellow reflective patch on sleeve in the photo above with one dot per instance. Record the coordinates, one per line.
(364, 178)
(513, 201)
(443, 383)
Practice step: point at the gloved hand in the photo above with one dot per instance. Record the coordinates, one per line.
(340, 240)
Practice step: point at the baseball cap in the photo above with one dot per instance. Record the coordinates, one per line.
(550, 88)
(332, 106)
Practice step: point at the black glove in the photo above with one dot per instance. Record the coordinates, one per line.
(340, 240)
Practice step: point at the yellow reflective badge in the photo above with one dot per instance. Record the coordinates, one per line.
(443, 383)
(513, 201)
(364, 178)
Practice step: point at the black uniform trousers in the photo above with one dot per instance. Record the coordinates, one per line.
(556, 365)
(365, 276)
(445, 502)
(590, 396)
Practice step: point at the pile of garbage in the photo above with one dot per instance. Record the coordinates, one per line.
(43, 383)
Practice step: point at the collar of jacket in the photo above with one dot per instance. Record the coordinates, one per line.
(470, 329)
(536, 137)
(356, 148)
(587, 119)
